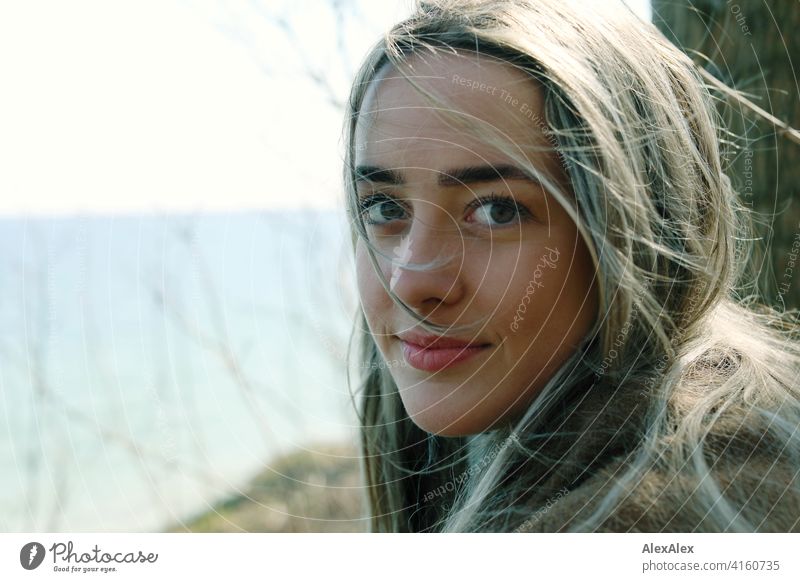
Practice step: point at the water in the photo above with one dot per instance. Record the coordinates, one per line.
(149, 365)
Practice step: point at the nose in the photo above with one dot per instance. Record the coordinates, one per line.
(427, 268)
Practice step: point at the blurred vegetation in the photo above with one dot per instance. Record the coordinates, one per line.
(317, 490)
(753, 46)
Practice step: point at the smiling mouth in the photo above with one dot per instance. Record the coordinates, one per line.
(433, 359)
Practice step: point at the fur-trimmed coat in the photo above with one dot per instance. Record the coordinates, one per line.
(580, 469)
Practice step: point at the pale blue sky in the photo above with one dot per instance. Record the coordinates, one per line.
(172, 105)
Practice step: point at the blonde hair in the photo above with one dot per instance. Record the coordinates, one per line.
(677, 337)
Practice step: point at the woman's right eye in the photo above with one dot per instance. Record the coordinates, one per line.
(381, 209)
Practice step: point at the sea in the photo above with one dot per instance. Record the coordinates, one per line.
(151, 365)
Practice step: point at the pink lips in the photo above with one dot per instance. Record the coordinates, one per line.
(434, 353)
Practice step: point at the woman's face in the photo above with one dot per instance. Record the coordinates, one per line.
(510, 259)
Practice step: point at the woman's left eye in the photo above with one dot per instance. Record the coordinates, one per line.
(495, 210)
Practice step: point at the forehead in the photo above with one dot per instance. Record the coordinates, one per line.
(483, 92)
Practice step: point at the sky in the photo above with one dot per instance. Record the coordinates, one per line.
(175, 105)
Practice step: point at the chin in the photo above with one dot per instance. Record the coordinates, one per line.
(440, 410)
(440, 428)
(444, 423)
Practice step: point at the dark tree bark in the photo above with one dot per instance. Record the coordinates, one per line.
(754, 47)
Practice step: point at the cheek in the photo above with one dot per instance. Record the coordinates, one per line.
(522, 282)
(550, 296)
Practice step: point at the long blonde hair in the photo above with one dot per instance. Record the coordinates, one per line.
(677, 327)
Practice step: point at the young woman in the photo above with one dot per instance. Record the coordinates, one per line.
(548, 256)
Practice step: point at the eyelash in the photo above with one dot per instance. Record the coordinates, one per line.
(367, 202)
(522, 212)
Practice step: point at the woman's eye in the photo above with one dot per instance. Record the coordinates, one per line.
(497, 210)
(381, 209)
(491, 211)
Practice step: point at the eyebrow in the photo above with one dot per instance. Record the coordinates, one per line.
(452, 177)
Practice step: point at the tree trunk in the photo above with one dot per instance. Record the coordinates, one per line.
(754, 47)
